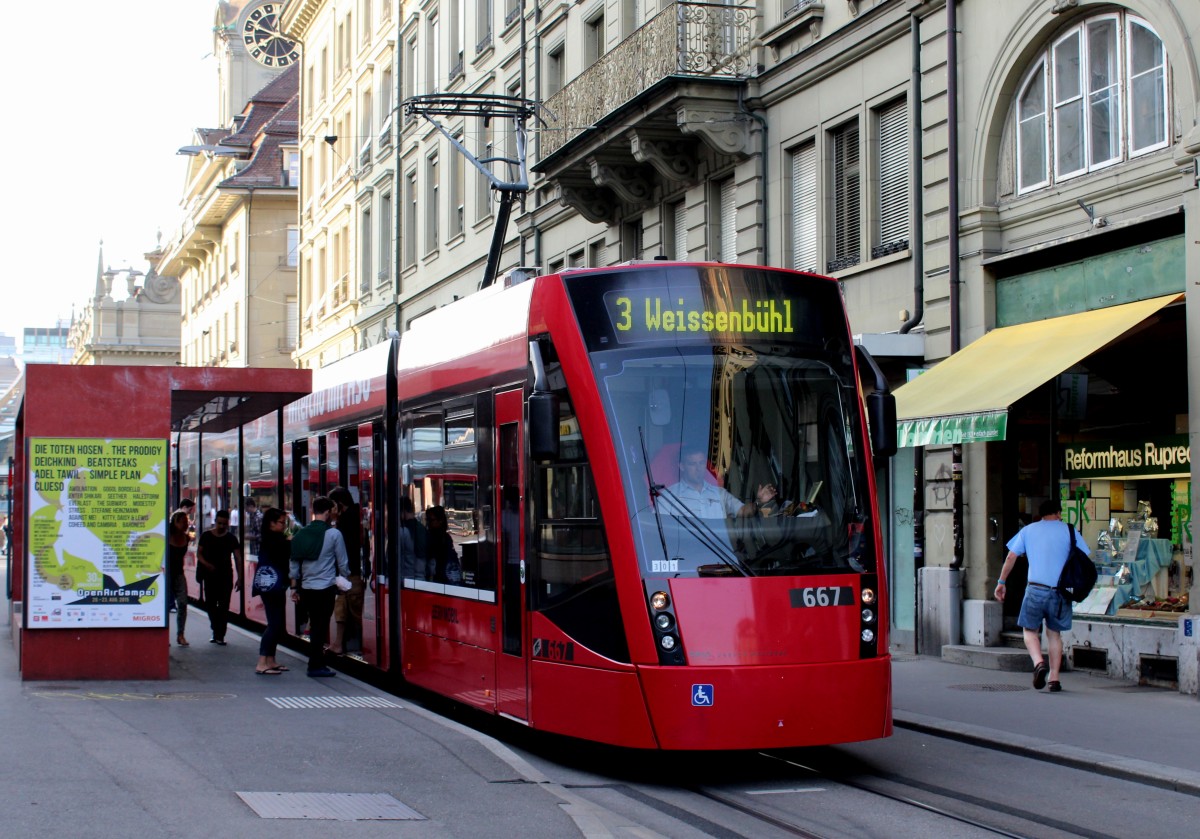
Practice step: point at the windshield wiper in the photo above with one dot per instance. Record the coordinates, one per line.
(701, 532)
(655, 489)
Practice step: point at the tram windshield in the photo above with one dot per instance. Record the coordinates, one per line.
(738, 458)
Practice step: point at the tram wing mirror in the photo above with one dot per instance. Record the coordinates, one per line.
(881, 414)
(881, 407)
(543, 426)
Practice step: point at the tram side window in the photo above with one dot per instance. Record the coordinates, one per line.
(573, 583)
(445, 473)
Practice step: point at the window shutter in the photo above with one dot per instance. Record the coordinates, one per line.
(728, 222)
(847, 221)
(681, 232)
(893, 179)
(804, 208)
(293, 321)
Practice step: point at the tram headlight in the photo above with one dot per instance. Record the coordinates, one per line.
(868, 636)
(659, 600)
(868, 616)
(868, 596)
(668, 642)
(664, 621)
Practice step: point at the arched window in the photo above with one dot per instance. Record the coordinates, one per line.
(1095, 97)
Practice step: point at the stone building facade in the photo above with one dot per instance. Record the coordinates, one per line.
(141, 328)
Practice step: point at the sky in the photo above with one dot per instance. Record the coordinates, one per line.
(98, 98)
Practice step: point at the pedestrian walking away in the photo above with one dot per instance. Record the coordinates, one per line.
(1046, 544)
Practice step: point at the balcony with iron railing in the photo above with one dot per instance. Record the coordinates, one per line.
(686, 40)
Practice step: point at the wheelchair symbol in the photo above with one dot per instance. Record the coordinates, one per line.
(702, 695)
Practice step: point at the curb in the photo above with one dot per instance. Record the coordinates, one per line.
(1115, 766)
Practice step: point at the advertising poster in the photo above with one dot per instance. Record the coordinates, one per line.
(97, 533)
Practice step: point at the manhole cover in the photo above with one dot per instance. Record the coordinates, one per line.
(989, 688)
(343, 806)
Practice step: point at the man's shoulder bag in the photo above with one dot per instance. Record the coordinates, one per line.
(1078, 575)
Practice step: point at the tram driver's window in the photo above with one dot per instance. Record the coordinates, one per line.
(571, 579)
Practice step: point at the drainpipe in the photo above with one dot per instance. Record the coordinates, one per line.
(397, 205)
(917, 238)
(952, 151)
(244, 326)
(956, 462)
(537, 87)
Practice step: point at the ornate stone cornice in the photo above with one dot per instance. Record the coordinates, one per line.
(298, 16)
(595, 205)
(724, 129)
(674, 160)
(629, 182)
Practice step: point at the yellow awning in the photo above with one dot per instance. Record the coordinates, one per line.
(965, 398)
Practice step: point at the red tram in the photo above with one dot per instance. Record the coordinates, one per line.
(659, 486)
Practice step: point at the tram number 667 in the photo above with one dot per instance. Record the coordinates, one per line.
(822, 596)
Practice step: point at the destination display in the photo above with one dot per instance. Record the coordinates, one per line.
(707, 305)
(97, 532)
(649, 314)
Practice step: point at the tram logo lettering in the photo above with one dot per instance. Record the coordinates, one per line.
(762, 316)
(448, 614)
(334, 398)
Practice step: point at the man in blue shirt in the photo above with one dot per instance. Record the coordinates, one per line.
(1046, 544)
(318, 558)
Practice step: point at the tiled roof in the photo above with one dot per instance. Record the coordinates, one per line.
(265, 168)
(211, 136)
(263, 106)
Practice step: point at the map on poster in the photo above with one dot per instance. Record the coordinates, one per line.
(96, 525)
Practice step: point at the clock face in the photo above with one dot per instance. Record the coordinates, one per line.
(262, 38)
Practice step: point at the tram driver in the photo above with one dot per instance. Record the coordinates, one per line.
(694, 494)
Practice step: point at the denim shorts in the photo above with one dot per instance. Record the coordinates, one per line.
(1044, 603)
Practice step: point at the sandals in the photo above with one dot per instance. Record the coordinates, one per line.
(270, 671)
(1039, 675)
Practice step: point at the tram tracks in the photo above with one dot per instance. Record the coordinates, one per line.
(943, 811)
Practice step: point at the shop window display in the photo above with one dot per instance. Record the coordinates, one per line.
(1142, 569)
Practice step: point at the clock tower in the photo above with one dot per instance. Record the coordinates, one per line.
(250, 52)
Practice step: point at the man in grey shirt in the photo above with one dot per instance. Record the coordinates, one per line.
(318, 557)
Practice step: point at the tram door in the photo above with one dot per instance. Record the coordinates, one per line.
(366, 493)
(316, 469)
(333, 463)
(512, 669)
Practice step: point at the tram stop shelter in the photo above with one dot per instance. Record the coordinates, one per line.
(88, 591)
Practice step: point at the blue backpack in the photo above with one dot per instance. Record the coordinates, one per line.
(1078, 576)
